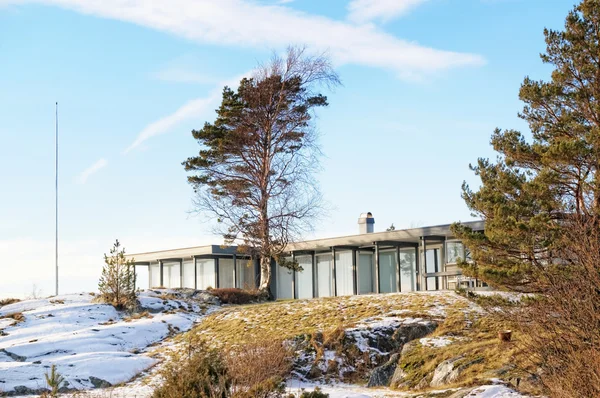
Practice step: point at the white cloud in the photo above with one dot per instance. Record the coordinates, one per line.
(367, 10)
(85, 174)
(249, 24)
(161, 126)
(189, 110)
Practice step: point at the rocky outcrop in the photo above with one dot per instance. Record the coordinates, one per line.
(386, 374)
(381, 375)
(99, 383)
(449, 371)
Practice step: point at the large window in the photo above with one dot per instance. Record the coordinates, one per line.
(324, 275)
(142, 277)
(387, 272)
(245, 272)
(226, 273)
(365, 273)
(284, 283)
(154, 275)
(189, 274)
(304, 278)
(454, 251)
(343, 273)
(408, 270)
(171, 274)
(432, 261)
(205, 273)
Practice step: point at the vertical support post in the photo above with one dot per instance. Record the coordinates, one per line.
(315, 279)
(398, 273)
(216, 261)
(333, 272)
(181, 272)
(195, 273)
(294, 294)
(436, 260)
(425, 263)
(354, 273)
(417, 273)
(235, 272)
(162, 273)
(377, 279)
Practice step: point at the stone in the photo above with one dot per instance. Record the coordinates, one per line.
(381, 375)
(24, 390)
(445, 373)
(99, 383)
(448, 372)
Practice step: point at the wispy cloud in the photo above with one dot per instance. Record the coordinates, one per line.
(191, 109)
(165, 124)
(85, 174)
(362, 11)
(251, 24)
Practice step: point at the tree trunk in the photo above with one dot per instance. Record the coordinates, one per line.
(265, 277)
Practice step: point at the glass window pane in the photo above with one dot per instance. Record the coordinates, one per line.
(189, 274)
(387, 272)
(343, 273)
(454, 251)
(142, 277)
(408, 270)
(226, 273)
(171, 274)
(304, 278)
(205, 273)
(155, 275)
(365, 273)
(284, 283)
(245, 270)
(324, 275)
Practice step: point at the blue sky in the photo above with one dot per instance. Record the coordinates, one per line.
(425, 82)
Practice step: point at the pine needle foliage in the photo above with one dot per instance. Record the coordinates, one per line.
(55, 382)
(117, 283)
(254, 172)
(543, 182)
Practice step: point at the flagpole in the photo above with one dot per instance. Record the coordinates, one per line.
(56, 202)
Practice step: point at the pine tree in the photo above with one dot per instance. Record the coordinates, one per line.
(254, 171)
(541, 186)
(117, 283)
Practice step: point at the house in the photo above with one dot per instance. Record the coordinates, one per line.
(405, 260)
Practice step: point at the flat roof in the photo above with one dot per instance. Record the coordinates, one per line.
(409, 236)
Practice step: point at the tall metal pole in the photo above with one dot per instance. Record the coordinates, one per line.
(56, 201)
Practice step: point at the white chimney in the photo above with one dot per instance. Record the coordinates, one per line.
(366, 223)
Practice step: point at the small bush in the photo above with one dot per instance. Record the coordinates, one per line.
(8, 301)
(258, 370)
(117, 283)
(17, 316)
(316, 393)
(199, 373)
(237, 296)
(55, 382)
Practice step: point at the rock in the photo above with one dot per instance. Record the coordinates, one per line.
(14, 357)
(99, 383)
(462, 393)
(381, 375)
(24, 390)
(447, 372)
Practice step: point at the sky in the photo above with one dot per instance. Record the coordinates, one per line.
(425, 82)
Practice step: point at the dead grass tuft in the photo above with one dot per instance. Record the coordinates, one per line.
(8, 301)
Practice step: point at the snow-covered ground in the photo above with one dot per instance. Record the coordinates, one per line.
(353, 391)
(88, 342)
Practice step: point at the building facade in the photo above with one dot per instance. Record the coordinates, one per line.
(416, 259)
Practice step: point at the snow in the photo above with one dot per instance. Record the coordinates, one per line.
(436, 342)
(85, 339)
(339, 390)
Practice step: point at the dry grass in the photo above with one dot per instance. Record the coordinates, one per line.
(17, 316)
(288, 319)
(8, 301)
(137, 315)
(237, 296)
